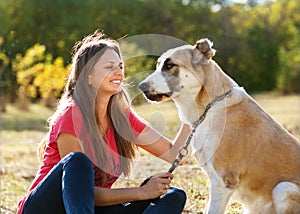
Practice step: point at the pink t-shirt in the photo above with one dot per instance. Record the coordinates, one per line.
(70, 121)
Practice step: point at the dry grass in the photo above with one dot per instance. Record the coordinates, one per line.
(21, 131)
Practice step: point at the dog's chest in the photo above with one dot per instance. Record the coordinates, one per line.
(207, 139)
(208, 135)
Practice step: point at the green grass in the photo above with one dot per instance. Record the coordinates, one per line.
(33, 119)
(21, 131)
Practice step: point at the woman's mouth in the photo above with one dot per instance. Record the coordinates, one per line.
(117, 81)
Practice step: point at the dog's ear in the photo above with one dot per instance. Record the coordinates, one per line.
(205, 47)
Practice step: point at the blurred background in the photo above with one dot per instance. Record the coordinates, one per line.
(257, 41)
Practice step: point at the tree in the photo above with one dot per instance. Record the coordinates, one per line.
(286, 21)
(4, 81)
(252, 39)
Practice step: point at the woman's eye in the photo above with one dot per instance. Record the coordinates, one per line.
(113, 67)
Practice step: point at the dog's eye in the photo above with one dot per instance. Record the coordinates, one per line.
(170, 65)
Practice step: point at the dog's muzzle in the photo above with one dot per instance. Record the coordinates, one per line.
(144, 86)
(151, 94)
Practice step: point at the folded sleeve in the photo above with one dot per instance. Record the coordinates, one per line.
(69, 121)
(137, 124)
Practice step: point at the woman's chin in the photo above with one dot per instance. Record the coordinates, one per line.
(117, 89)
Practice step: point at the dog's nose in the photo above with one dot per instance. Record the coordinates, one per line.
(144, 86)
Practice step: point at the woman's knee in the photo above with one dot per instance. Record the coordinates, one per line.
(77, 159)
(171, 202)
(177, 194)
(76, 156)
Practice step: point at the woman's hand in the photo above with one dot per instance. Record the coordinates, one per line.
(157, 185)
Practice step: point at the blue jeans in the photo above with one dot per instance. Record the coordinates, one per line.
(172, 202)
(69, 188)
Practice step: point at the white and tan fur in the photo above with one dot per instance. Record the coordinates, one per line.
(246, 154)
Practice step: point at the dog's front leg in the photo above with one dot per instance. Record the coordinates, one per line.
(218, 198)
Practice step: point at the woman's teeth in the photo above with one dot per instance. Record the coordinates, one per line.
(116, 81)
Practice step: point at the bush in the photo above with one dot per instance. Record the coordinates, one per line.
(39, 76)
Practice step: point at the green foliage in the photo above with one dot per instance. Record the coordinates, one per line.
(251, 49)
(138, 66)
(253, 40)
(5, 81)
(288, 77)
(289, 71)
(4, 62)
(39, 76)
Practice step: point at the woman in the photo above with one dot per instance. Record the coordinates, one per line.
(91, 142)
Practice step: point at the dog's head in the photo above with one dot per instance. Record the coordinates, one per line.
(178, 71)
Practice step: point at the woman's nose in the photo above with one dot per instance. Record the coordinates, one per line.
(117, 69)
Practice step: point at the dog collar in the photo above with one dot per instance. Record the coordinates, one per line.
(183, 152)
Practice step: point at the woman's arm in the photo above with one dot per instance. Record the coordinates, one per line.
(67, 143)
(160, 146)
(156, 186)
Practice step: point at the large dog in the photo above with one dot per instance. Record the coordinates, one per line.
(246, 154)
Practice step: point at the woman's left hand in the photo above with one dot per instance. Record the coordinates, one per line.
(157, 185)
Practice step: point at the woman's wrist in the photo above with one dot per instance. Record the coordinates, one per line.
(141, 193)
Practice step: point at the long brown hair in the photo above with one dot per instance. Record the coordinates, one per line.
(86, 54)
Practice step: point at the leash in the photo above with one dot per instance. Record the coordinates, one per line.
(183, 152)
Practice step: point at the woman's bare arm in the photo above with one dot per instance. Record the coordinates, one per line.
(157, 186)
(160, 146)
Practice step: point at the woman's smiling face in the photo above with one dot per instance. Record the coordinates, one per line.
(107, 75)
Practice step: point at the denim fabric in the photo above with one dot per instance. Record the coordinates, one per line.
(172, 202)
(68, 188)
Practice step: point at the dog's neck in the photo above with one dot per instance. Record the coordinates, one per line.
(215, 84)
(187, 108)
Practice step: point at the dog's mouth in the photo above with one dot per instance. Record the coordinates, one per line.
(158, 97)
